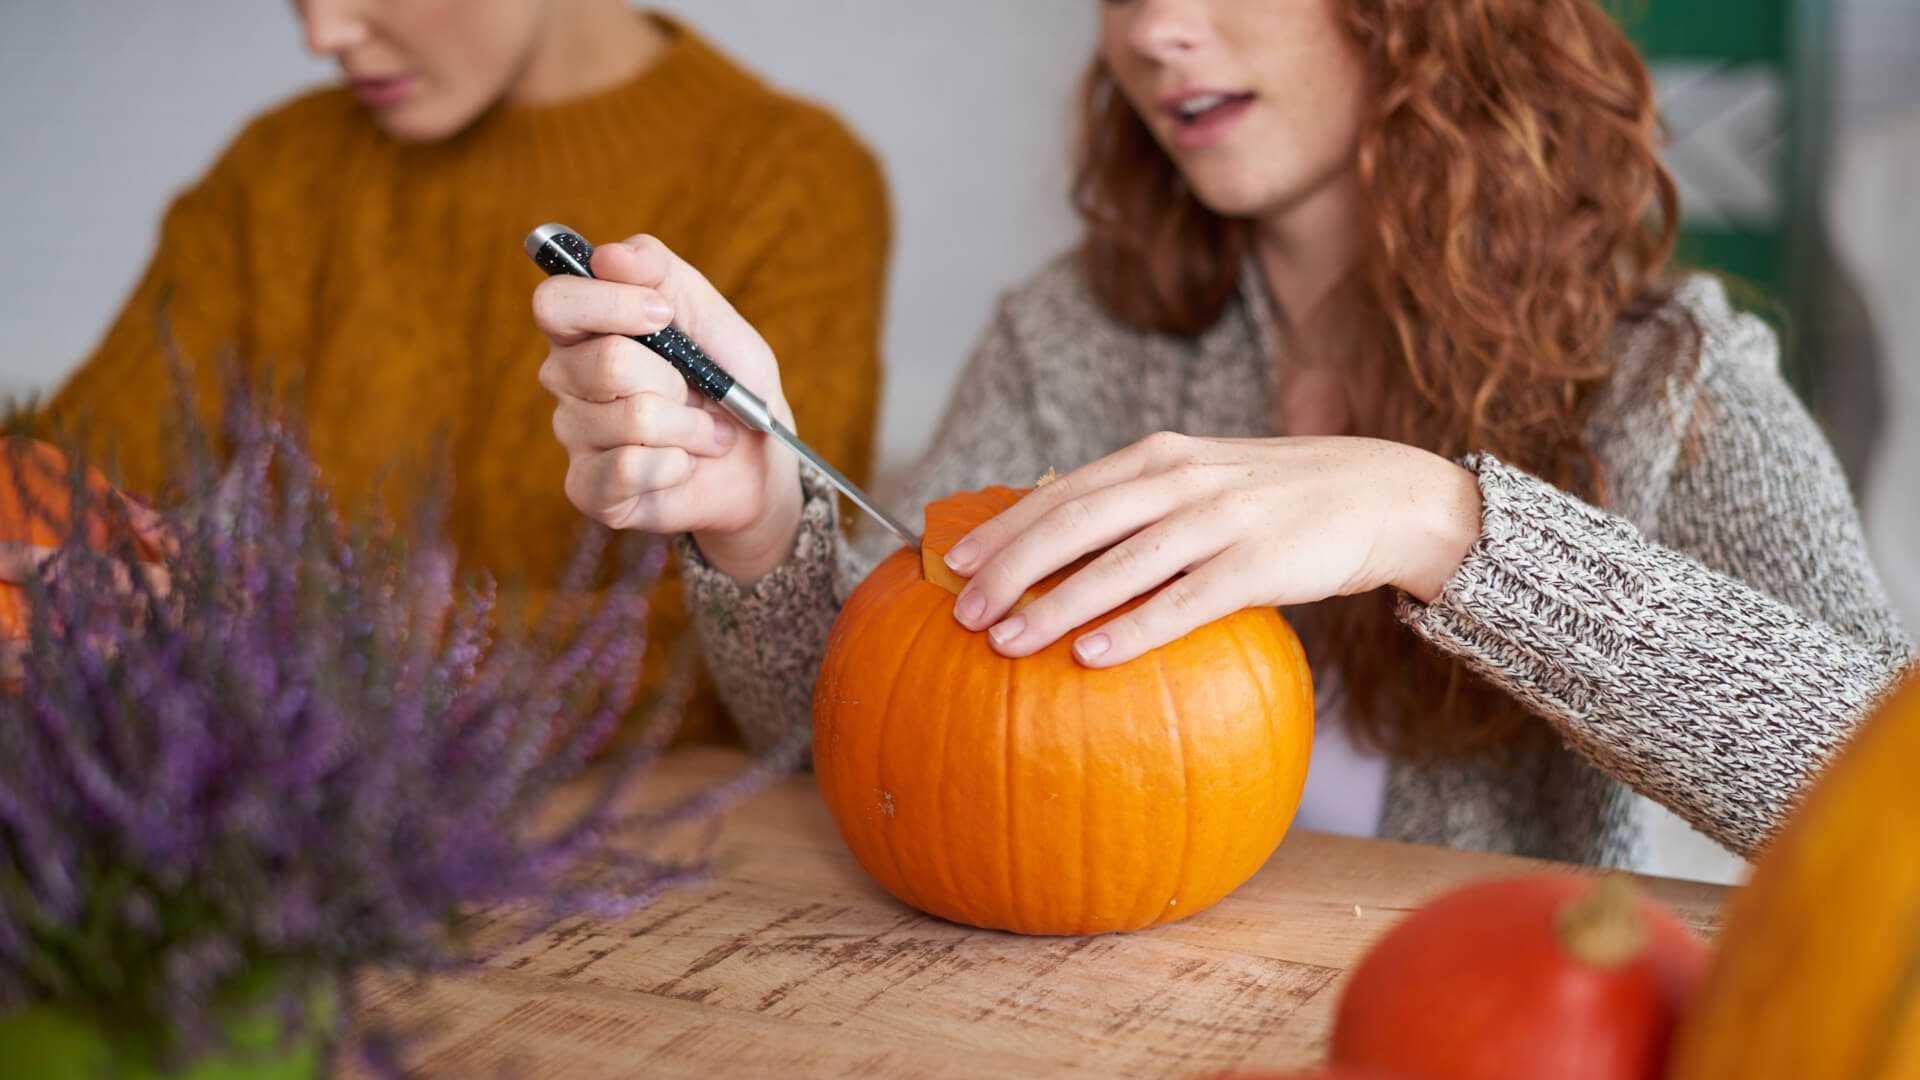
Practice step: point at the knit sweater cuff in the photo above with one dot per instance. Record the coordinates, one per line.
(1533, 564)
(764, 644)
(1636, 651)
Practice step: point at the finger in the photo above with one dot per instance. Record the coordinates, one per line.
(18, 561)
(608, 486)
(640, 420)
(1133, 567)
(1073, 528)
(606, 369)
(572, 309)
(1151, 454)
(149, 527)
(641, 259)
(159, 581)
(699, 310)
(1214, 591)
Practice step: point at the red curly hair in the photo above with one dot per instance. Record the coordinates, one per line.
(1516, 212)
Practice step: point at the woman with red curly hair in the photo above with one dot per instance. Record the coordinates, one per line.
(1371, 322)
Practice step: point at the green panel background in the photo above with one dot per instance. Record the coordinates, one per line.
(1781, 262)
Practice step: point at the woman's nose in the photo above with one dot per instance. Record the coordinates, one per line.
(333, 26)
(1163, 29)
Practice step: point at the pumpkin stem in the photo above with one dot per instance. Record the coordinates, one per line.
(1603, 928)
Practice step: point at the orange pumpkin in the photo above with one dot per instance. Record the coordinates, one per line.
(36, 508)
(1040, 796)
(1817, 973)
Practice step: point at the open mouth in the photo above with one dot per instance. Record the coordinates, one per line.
(1204, 119)
(1198, 108)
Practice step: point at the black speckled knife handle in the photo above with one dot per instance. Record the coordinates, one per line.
(559, 250)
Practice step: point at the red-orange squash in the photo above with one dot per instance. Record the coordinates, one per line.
(1333, 1073)
(36, 508)
(1817, 973)
(1040, 796)
(1523, 978)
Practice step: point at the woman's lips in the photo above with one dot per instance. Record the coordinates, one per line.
(384, 93)
(1210, 127)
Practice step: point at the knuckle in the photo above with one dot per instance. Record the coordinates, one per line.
(1122, 560)
(629, 470)
(1074, 515)
(547, 305)
(1189, 474)
(565, 428)
(641, 415)
(607, 367)
(1181, 598)
(580, 489)
(1164, 445)
(656, 420)
(1235, 508)
(550, 379)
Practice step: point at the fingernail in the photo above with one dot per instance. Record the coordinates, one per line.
(723, 433)
(1007, 630)
(970, 607)
(960, 559)
(1092, 647)
(658, 310)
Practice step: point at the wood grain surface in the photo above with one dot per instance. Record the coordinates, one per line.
(790, 962)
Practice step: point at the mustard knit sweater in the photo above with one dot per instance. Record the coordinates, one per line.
(389, 280)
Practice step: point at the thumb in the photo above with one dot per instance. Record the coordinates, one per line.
(637, 260)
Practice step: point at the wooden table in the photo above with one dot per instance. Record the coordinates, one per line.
(793, 963)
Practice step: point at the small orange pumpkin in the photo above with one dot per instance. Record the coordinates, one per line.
(1040, 796)
(36, 508)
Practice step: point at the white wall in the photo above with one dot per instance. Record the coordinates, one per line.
(1877, 66)
(108, 106)
(105, 109)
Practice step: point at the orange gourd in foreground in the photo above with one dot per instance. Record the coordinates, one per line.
(36, 507)
(1040, 796)
(1818, 968)
(1523, 978)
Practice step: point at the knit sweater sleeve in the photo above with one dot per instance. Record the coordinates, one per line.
(191, 302)
(1716, 667)
(765, 644)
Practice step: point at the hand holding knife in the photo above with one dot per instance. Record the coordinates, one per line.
(559, 250)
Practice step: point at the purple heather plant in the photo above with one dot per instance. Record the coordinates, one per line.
(312, 750)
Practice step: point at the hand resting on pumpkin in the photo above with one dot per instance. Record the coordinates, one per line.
(1225, 524)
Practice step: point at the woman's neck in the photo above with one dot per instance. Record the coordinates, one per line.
(1307, 250)
(1306, 255)
(587, 46)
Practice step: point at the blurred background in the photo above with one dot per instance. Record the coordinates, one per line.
(1795, 138)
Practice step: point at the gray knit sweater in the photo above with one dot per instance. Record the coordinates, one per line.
(1708, 642)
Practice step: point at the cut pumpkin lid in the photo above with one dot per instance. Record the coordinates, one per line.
(950, 519)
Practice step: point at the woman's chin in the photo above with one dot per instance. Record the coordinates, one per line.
(421, 122)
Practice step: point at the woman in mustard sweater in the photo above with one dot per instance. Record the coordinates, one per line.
(364, 241)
